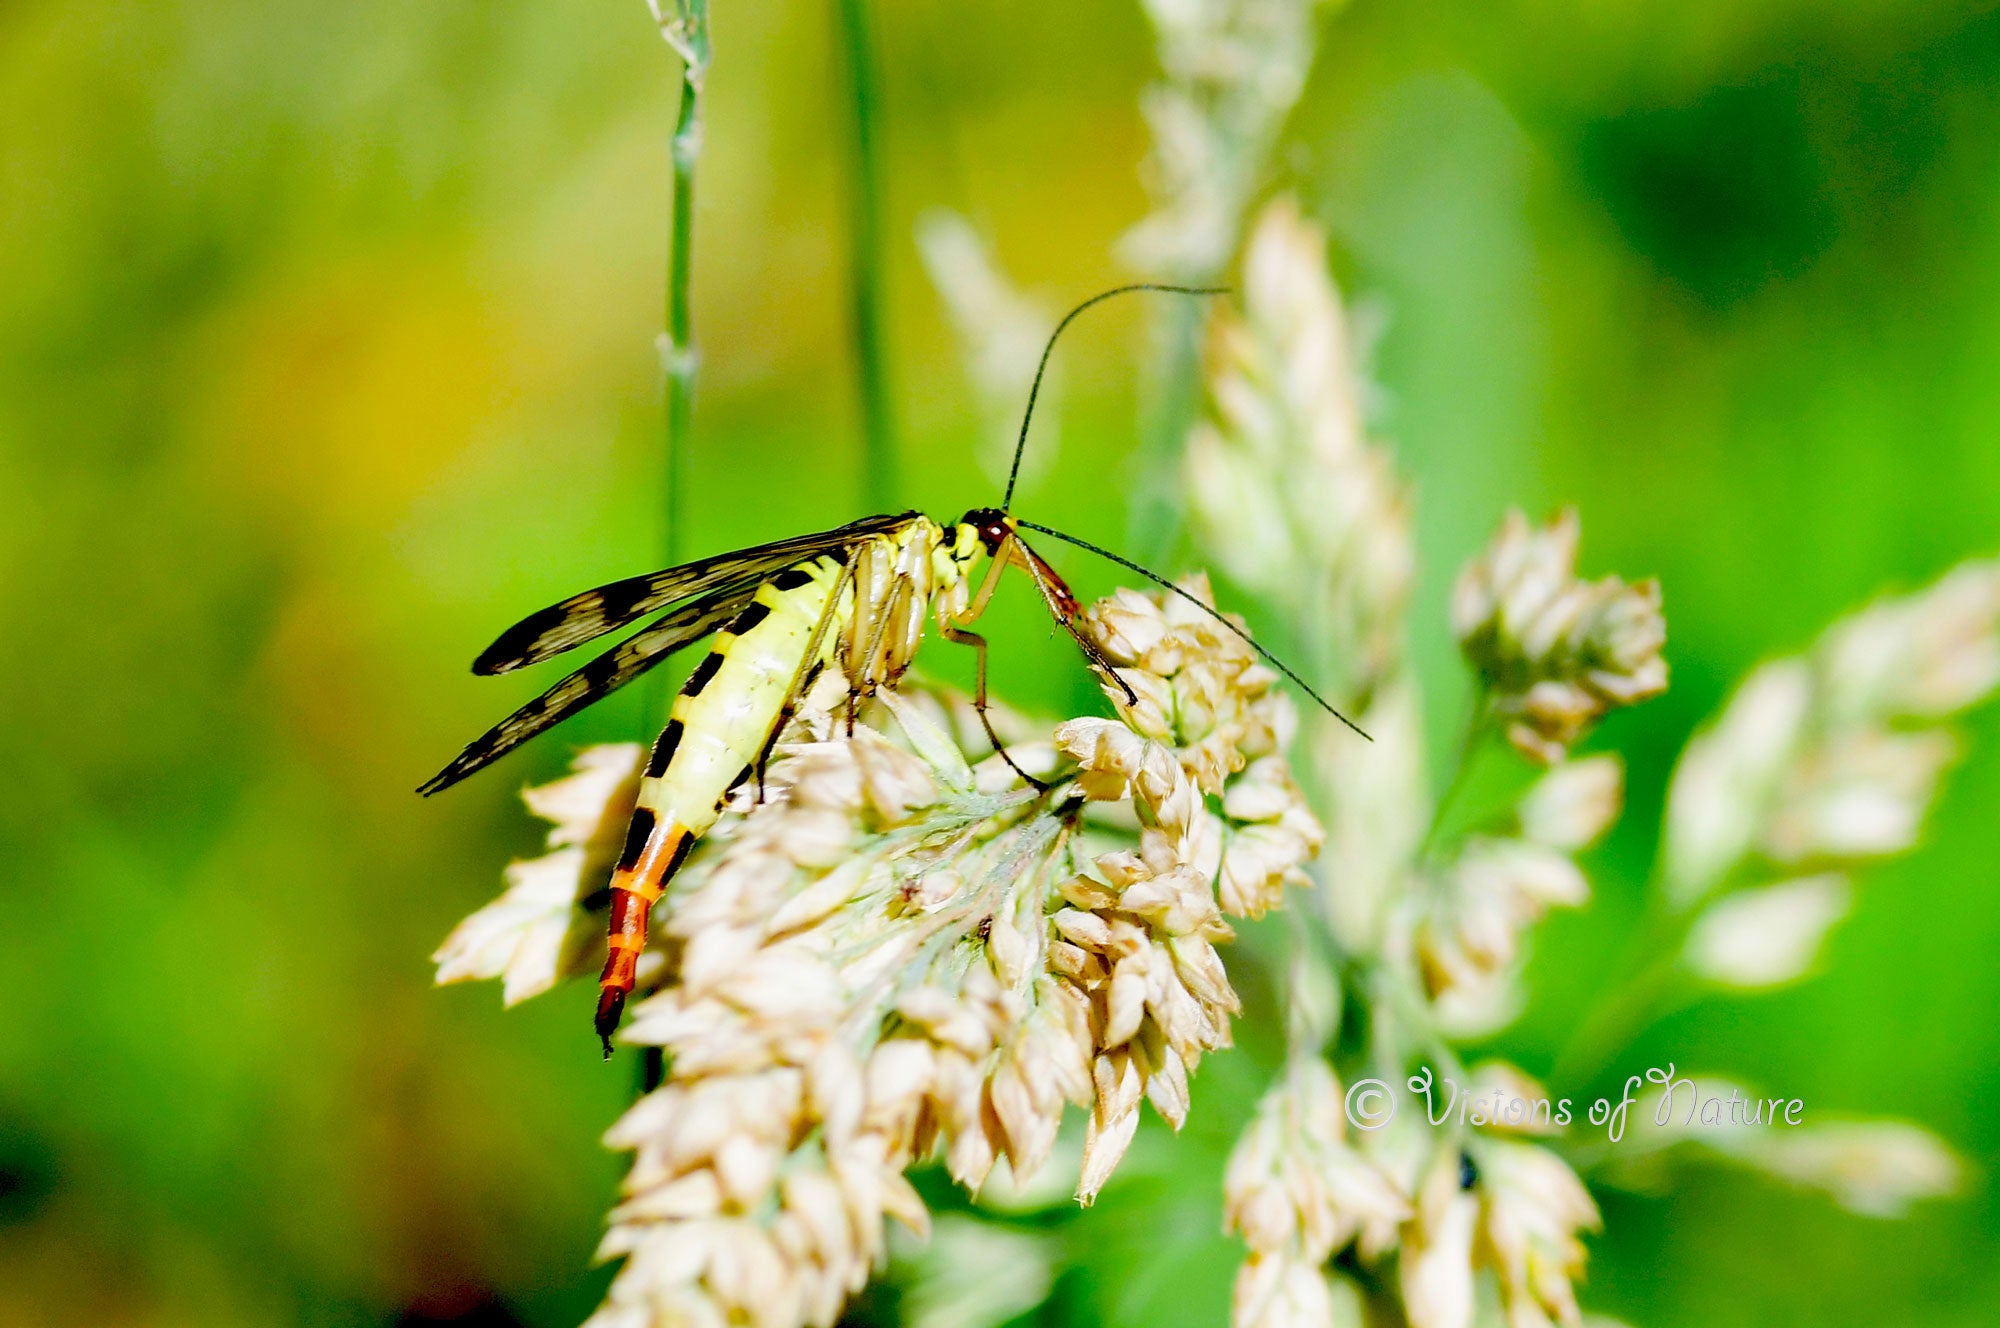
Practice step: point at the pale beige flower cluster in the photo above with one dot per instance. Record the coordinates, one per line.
(1137, 941)
(1139, 935)
(1877, 1168)
(1290, 496)
(1298, 1192)
(1522, 1218)
(1282, 481)
(902, 965)
(1555, 652)
(1204, 694)
(834, 999)
(1818, 766)
(1471, 923)
(1815, 768)
(543, 928)
(899, 955)
(1233, 71)
(856, 985)
(1300, 1188)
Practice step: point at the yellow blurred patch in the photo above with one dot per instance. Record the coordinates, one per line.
(342, 396)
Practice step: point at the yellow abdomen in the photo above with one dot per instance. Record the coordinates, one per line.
(721, 723)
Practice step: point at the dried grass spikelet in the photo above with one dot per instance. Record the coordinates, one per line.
(1201, 688)
(1284, 485)
(1212, 704)
(1140, 934)
(1522, 1219)
(1435, 1267)
(1532, 1211)
(543, 929)
(1470, 940)
(1769, 935)
(1876, 1168)
(1140, 946)
(1297, 1193)
(1495, 1085)
(1919, 657)
(1233, 71)
(1819, 765)
(1555, 652)
(1570, 807)
(1469, 925)
(899, 955)
(1290, 496)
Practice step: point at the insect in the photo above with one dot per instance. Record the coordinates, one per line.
(853, 597)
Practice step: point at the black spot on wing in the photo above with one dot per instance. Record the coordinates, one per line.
(663, 749)
(620, 600)
(580, 618)
(519, 641)
(587, 616)
(791, 579)
(757, 612)
(603, 671)
(704, 673)
(643, 822)
(594, 681)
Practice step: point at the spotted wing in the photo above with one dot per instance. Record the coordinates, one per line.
(599, 678)
(585, 617)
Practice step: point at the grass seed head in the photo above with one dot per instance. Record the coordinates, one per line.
(900, 953)
(1553, 652)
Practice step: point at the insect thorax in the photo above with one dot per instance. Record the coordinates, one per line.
(896, 576)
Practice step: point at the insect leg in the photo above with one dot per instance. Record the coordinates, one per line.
(809, 665)
(978, 643)
(777, 730)
(987, 585)
(955, 631)
(869, 681)
(1066, 611)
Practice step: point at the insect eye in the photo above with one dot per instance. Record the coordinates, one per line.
(986, 524)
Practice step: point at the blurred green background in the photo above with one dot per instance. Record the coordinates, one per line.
(326, 350)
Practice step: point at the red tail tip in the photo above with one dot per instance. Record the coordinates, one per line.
(610, 1009)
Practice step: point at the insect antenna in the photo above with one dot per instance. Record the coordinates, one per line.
(1165, 584)
(1021, 445)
